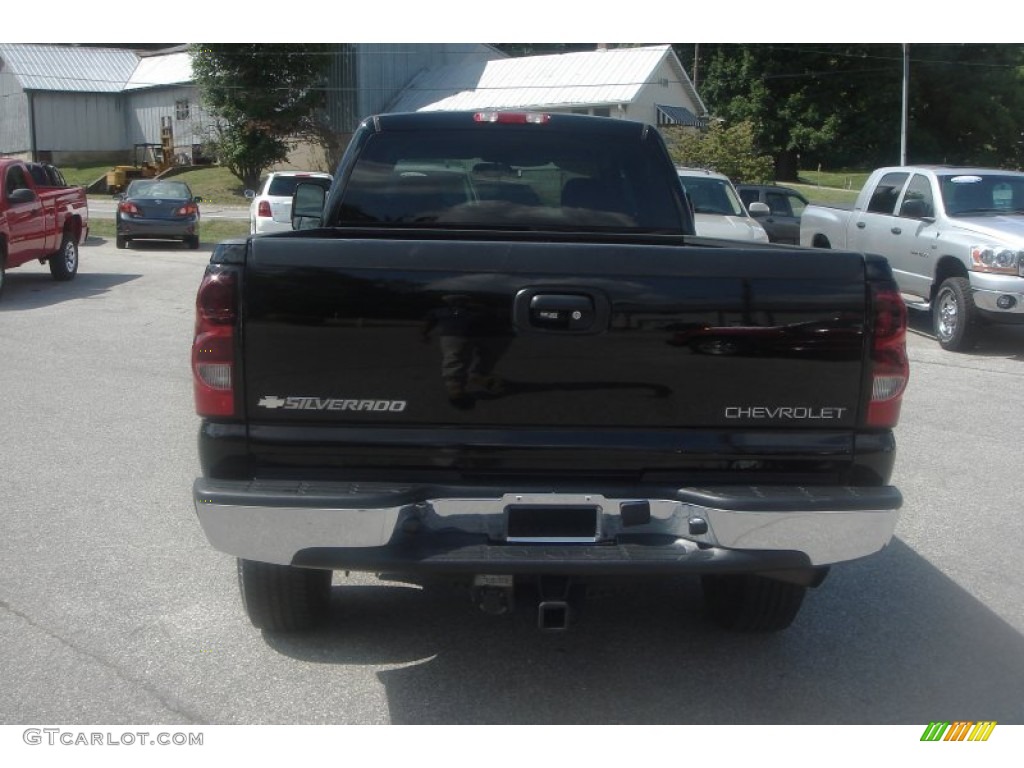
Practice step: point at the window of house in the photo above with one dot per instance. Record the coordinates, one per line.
(602, 111)
(182, 110)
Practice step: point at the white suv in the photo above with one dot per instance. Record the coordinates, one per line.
(717, 209)
(271, 209)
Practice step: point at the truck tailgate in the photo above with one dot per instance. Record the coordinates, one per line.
(471, 333)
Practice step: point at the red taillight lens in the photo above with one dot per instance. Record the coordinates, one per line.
(128, 208)
(890, 367)
(213, 348)
(187, 210)
(263, 210)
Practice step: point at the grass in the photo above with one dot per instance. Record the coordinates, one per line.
(210, 231)
(213, 183)
(83, 175)
(843, 179)
(826, 195)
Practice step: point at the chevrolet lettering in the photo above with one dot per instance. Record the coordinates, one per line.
(784, 412)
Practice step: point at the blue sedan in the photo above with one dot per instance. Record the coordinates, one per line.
(155, 209)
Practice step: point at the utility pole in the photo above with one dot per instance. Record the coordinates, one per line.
(696, 63)
(906, 99)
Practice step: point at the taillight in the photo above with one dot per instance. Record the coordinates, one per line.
(263, 210)
(213, 347)
(190, 209)
(129, 208)
(890, 367)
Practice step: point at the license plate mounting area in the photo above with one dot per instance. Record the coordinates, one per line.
(552, 523)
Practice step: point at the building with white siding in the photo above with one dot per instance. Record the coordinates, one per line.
(70, 104)
(73, 104)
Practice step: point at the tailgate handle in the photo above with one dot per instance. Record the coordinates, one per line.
(561, 312)
(555, 311)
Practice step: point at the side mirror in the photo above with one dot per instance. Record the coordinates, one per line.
(197, 199)
(758, 209)
(916, 209)
(249, 194)
(23, 195)
(308, 206)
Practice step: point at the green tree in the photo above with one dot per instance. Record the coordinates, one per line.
(796, 96)
(840, 105)
(265, 97)
(966, 105)
(728, 149)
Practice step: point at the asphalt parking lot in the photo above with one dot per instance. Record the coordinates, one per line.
(114, 609)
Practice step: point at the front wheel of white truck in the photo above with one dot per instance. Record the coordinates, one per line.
(954, 316)
(282, 598)
(749, 603)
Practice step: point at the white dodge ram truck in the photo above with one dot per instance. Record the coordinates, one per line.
(954, 238)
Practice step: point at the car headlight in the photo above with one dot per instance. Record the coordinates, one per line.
(1004, 261)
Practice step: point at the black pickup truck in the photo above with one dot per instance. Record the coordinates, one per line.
(495, 352)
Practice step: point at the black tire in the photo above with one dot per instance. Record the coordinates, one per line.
(282, 598)
(64, 263)
(121, 241)
(749, 603)
(192, 241)
(955, 318)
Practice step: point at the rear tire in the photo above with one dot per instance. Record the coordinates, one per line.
(64, 263)
(283, 598)
(192, 241)
(954, 316)
(749, 603)
(121, 241)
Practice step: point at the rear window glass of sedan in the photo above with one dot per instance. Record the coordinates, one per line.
(168, 190)
(284, 186)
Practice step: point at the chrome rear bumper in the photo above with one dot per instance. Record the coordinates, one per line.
(373, 526)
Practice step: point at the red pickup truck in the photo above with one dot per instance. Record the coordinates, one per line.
(41, 217)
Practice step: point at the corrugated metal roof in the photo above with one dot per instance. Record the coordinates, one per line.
(69, 68)
(592, 77)
(166, 69)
